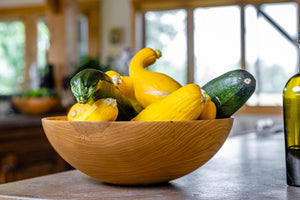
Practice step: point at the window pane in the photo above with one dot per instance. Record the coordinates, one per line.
(217, 42)
(83, 36)
(270, 56)
(166, 31)
(12, 40)
(43, 43)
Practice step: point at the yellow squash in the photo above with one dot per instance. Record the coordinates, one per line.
(125, 84)
(209, 111)
(77, 110)
(186, 103)
(149, 86)
(101, 110)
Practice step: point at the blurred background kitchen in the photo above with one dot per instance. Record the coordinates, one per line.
(43, 43)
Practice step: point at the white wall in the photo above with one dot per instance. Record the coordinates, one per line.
(115, 14)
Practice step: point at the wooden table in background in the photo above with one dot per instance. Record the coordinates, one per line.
(246, 167)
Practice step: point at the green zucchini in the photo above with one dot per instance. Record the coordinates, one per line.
(230, 91)
(89, 85)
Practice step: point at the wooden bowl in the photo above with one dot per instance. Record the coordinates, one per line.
(136, 153)
(36, 105)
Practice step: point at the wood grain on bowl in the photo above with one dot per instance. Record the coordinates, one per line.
(131, 153)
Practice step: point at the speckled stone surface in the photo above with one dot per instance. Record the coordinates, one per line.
(246, 167)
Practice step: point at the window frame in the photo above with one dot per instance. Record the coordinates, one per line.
(140, 7)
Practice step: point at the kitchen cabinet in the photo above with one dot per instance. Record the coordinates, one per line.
(25, 151)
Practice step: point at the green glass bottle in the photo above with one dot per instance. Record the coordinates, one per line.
(291, 115)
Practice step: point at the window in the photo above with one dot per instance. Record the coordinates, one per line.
(25, 42)
(43, 43)
(166, 31)
(83, 36)
(43, 40)
(12, 40)
(260, 39)
(217, 42)
(270, 56)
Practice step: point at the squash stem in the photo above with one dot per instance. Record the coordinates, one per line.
(110, 102)
(117, 79)
(158, 53)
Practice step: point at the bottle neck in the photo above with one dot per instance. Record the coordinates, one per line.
(298, 43)
(298, 63)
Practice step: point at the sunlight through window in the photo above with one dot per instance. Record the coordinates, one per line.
(166, 31)
(12, 40)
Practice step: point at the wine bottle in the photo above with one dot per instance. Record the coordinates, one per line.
(291, 115)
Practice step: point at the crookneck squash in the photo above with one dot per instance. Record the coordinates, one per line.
(101, 110)
(149, 86)
(209, 111)
(186, 103)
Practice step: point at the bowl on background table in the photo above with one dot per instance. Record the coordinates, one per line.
(35, 105)
(136, 153)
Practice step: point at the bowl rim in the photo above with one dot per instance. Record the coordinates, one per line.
(63, 118)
